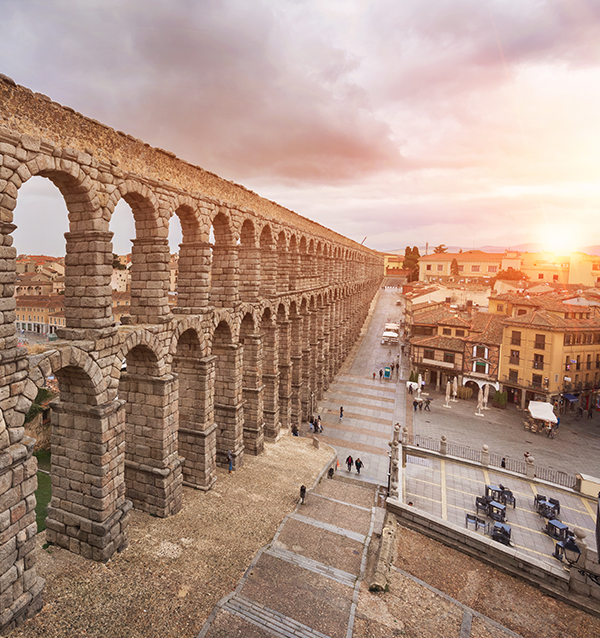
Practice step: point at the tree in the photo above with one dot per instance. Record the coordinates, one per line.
(510, 274)
(454, 268)
(411, 262)
(438, 250)
(117, 263)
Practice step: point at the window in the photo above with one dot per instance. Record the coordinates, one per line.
(589, 338)
(492, 268)
(515, 357)
(578, 364)
(428, 267)
(521, 311)
(500, 307)
(588, 363)
(538, 361)
(513, 376)
(449, 357)
(475, 268)
(540, 342)
(480, 367)
(461, 269)
(460, 333)
(541, 275)
(515, 338)
(428, 354)
(446, 331)
(598, 361)
(567, 340)
(480, 352)
(567, 363)
(536, 380)
(440, 267)
(554, 278)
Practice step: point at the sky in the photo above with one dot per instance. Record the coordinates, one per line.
(459, 122)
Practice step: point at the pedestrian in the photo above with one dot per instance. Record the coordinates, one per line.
(397, 367)
(420, 406)
(415, 405)
(302, 494)
(503, 462)
(380, 373)
(410, 388)
(319, 424)
(295, 430)
(349, 462)
(557, 422)
(427, 402)
(341, 411)
(230, 459)
(374, 374)
(590, 413)
(330, 473)
(358, 464)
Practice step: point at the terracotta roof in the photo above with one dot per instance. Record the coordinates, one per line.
(467, 255)
(441, 343)
(548, 321)
(487, 329)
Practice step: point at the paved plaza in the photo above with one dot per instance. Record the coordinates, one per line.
(442, 487)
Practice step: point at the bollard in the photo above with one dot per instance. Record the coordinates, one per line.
(485, 455)
(444, 445)
(315, 442)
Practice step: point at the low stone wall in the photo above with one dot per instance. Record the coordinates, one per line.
(553, 580)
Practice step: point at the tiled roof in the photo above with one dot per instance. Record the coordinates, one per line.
(467, 255)
(548, 321)
(487, 329)
(441, 343)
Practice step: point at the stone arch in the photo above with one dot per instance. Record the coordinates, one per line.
(282, 284)
(145, 341)
(150, 253)
(252, 387)
(268, 262)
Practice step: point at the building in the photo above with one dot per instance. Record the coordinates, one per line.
(550, 349)
(41, 314)
(471, 265)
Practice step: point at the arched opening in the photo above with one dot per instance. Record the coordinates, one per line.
(268, 263)
(249, 258)
(283, 265)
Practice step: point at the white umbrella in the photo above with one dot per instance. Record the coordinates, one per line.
(455, 387)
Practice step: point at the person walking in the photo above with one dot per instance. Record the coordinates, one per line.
(380, 373)
(590, 413)
(427, 402)
(503, 462)
(302, 494)
(341, 411)
(415, 405)
(230, 459)
(421, 406)
(358, 464)
(349, 462)
(410, 388)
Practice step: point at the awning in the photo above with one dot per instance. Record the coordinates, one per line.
(570, 397)
(542, 410)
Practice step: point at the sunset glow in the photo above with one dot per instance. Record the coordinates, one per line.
(463, 122)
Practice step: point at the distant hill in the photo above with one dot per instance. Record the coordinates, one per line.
(523, 248)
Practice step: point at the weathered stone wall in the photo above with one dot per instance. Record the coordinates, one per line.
(266, 314)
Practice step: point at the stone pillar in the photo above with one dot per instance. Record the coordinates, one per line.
(224, 277)
(271, 382)
(283, 271)
(268, 271)
(285, 373)
(249, 259)
(530, 467)
(88, 294)
(88, 513)
(150, 280)
(296, 360)
(22, 588)
(443, 445)
(153, 468)
(197, 429)
(229, 406)
(294, 268)
(253, 389)
(193, 280)
(485, 455)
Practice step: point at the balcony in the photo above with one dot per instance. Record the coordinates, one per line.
(514, 361)
(539, 345)
(538, 365)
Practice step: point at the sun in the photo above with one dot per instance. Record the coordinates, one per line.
(560, 238)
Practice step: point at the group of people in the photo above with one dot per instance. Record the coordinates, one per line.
(315, 424)
(393, 366)
(420, 405)
(358, 464)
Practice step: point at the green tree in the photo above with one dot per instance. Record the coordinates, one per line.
(510, 274)
(438, 250)
(117, 265)
(411, 262)
(454, 268)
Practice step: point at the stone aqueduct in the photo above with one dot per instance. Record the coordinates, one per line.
(266, 313)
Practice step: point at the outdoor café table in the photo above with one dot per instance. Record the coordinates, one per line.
(497, 511)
